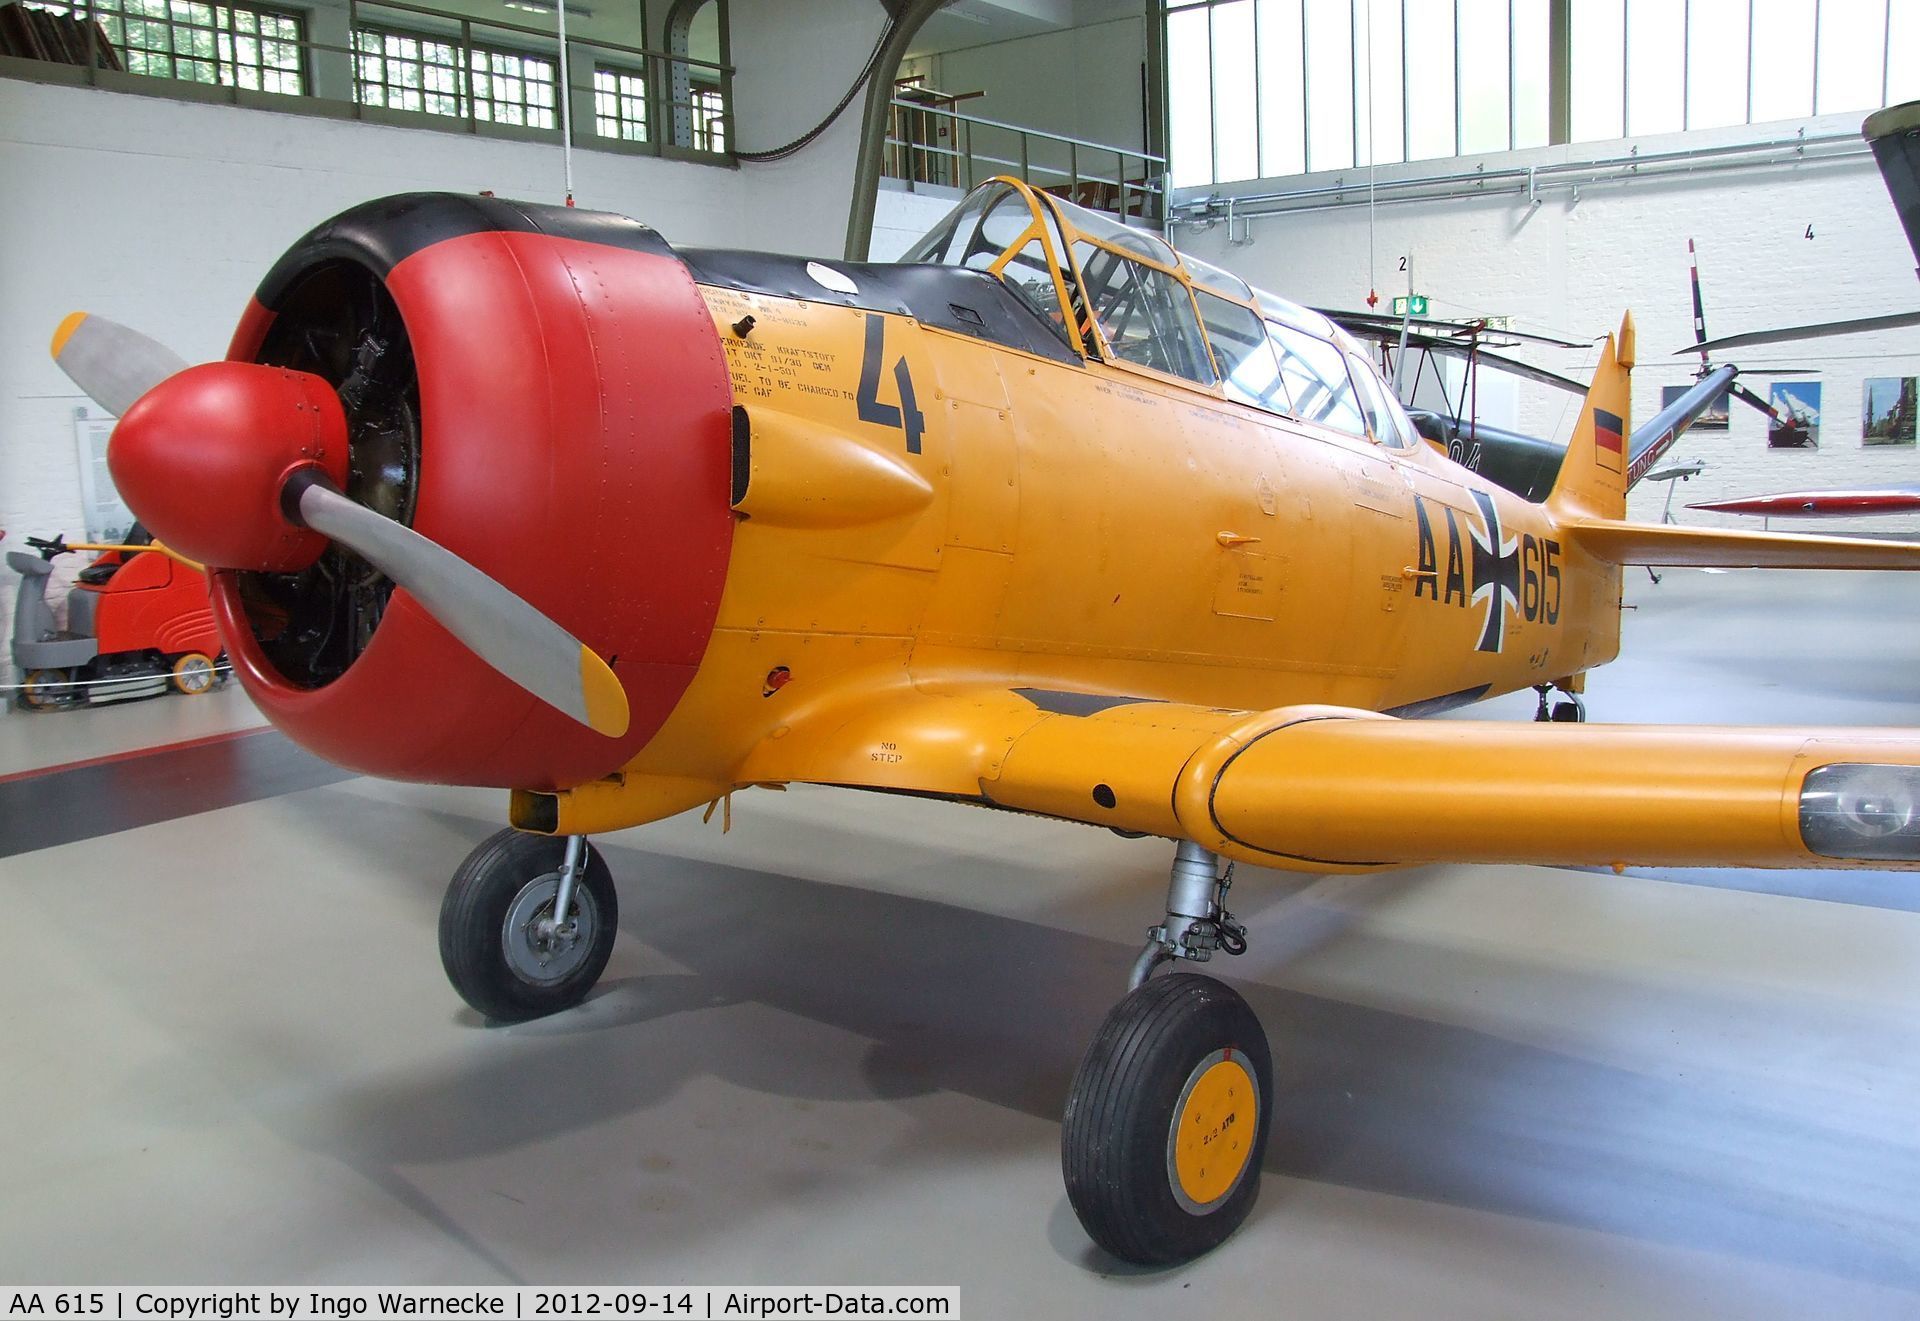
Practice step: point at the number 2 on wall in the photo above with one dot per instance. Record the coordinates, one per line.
(907, 416)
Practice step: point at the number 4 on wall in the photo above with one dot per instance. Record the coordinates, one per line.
(907, 415)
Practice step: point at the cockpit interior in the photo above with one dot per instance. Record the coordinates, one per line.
(1111, 293)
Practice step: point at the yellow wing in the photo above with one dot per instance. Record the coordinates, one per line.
(1333, 789)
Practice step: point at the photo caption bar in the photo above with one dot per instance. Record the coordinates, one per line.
(286, 1303)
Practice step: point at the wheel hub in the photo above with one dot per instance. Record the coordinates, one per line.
(1215, 1123)
(538, 948)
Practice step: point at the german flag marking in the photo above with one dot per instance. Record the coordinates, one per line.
(1606, 431)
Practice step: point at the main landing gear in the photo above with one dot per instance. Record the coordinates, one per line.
(528, 924)
(1166, 1122)
(1570, 708)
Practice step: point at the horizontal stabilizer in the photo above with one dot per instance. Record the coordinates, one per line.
(1666, 545)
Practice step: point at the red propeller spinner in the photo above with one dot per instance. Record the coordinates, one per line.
(206, 456)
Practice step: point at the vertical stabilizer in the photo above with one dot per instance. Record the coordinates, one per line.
(1593, 480)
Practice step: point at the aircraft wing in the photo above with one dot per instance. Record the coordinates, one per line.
(1666, 544)
(1378, 326)
(1335, 789)
(1511, 366)
(1387, 332)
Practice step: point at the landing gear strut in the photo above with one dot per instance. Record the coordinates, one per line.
(1197, 922)
(1166, 1122)
(528, 924)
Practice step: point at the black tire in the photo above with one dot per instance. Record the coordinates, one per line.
(1568, 713)
(1155, 1062)
(502, 879)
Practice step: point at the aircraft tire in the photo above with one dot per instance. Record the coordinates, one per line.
(487, 941)
(1166, 1122)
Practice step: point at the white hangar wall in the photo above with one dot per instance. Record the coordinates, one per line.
(1085, 81)
(165, 214)
(1572, 264)
(901, 217)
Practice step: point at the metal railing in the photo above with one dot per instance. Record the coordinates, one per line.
(680, 117)
(928, 144)
(1355, 188)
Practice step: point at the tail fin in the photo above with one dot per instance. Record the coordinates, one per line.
(1593, 478)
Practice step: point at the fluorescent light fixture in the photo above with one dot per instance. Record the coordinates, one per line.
(548, 7)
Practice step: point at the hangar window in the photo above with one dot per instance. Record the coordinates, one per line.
(406, 70)
(229, 45)
(668, 92)
(509, 88)
(709, 120)
(619, 104)
(1261, 88)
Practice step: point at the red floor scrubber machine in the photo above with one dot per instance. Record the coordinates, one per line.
(138, 624)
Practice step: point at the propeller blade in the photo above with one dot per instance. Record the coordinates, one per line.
(112, 364)
(498, 626)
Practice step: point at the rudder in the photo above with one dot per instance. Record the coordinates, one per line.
(1593, 479)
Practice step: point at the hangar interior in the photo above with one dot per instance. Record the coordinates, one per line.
(838, 1029)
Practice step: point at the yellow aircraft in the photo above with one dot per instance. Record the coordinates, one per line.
(1042, 518)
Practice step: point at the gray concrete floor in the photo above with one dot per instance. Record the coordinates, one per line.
(31, 740)
(832, 1047)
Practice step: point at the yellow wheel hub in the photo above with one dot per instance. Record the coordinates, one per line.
(193, 674)
(1213, 1131)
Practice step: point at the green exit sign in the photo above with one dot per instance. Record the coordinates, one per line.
(1411, 304)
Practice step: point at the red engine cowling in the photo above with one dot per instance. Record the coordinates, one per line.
(541, 391)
